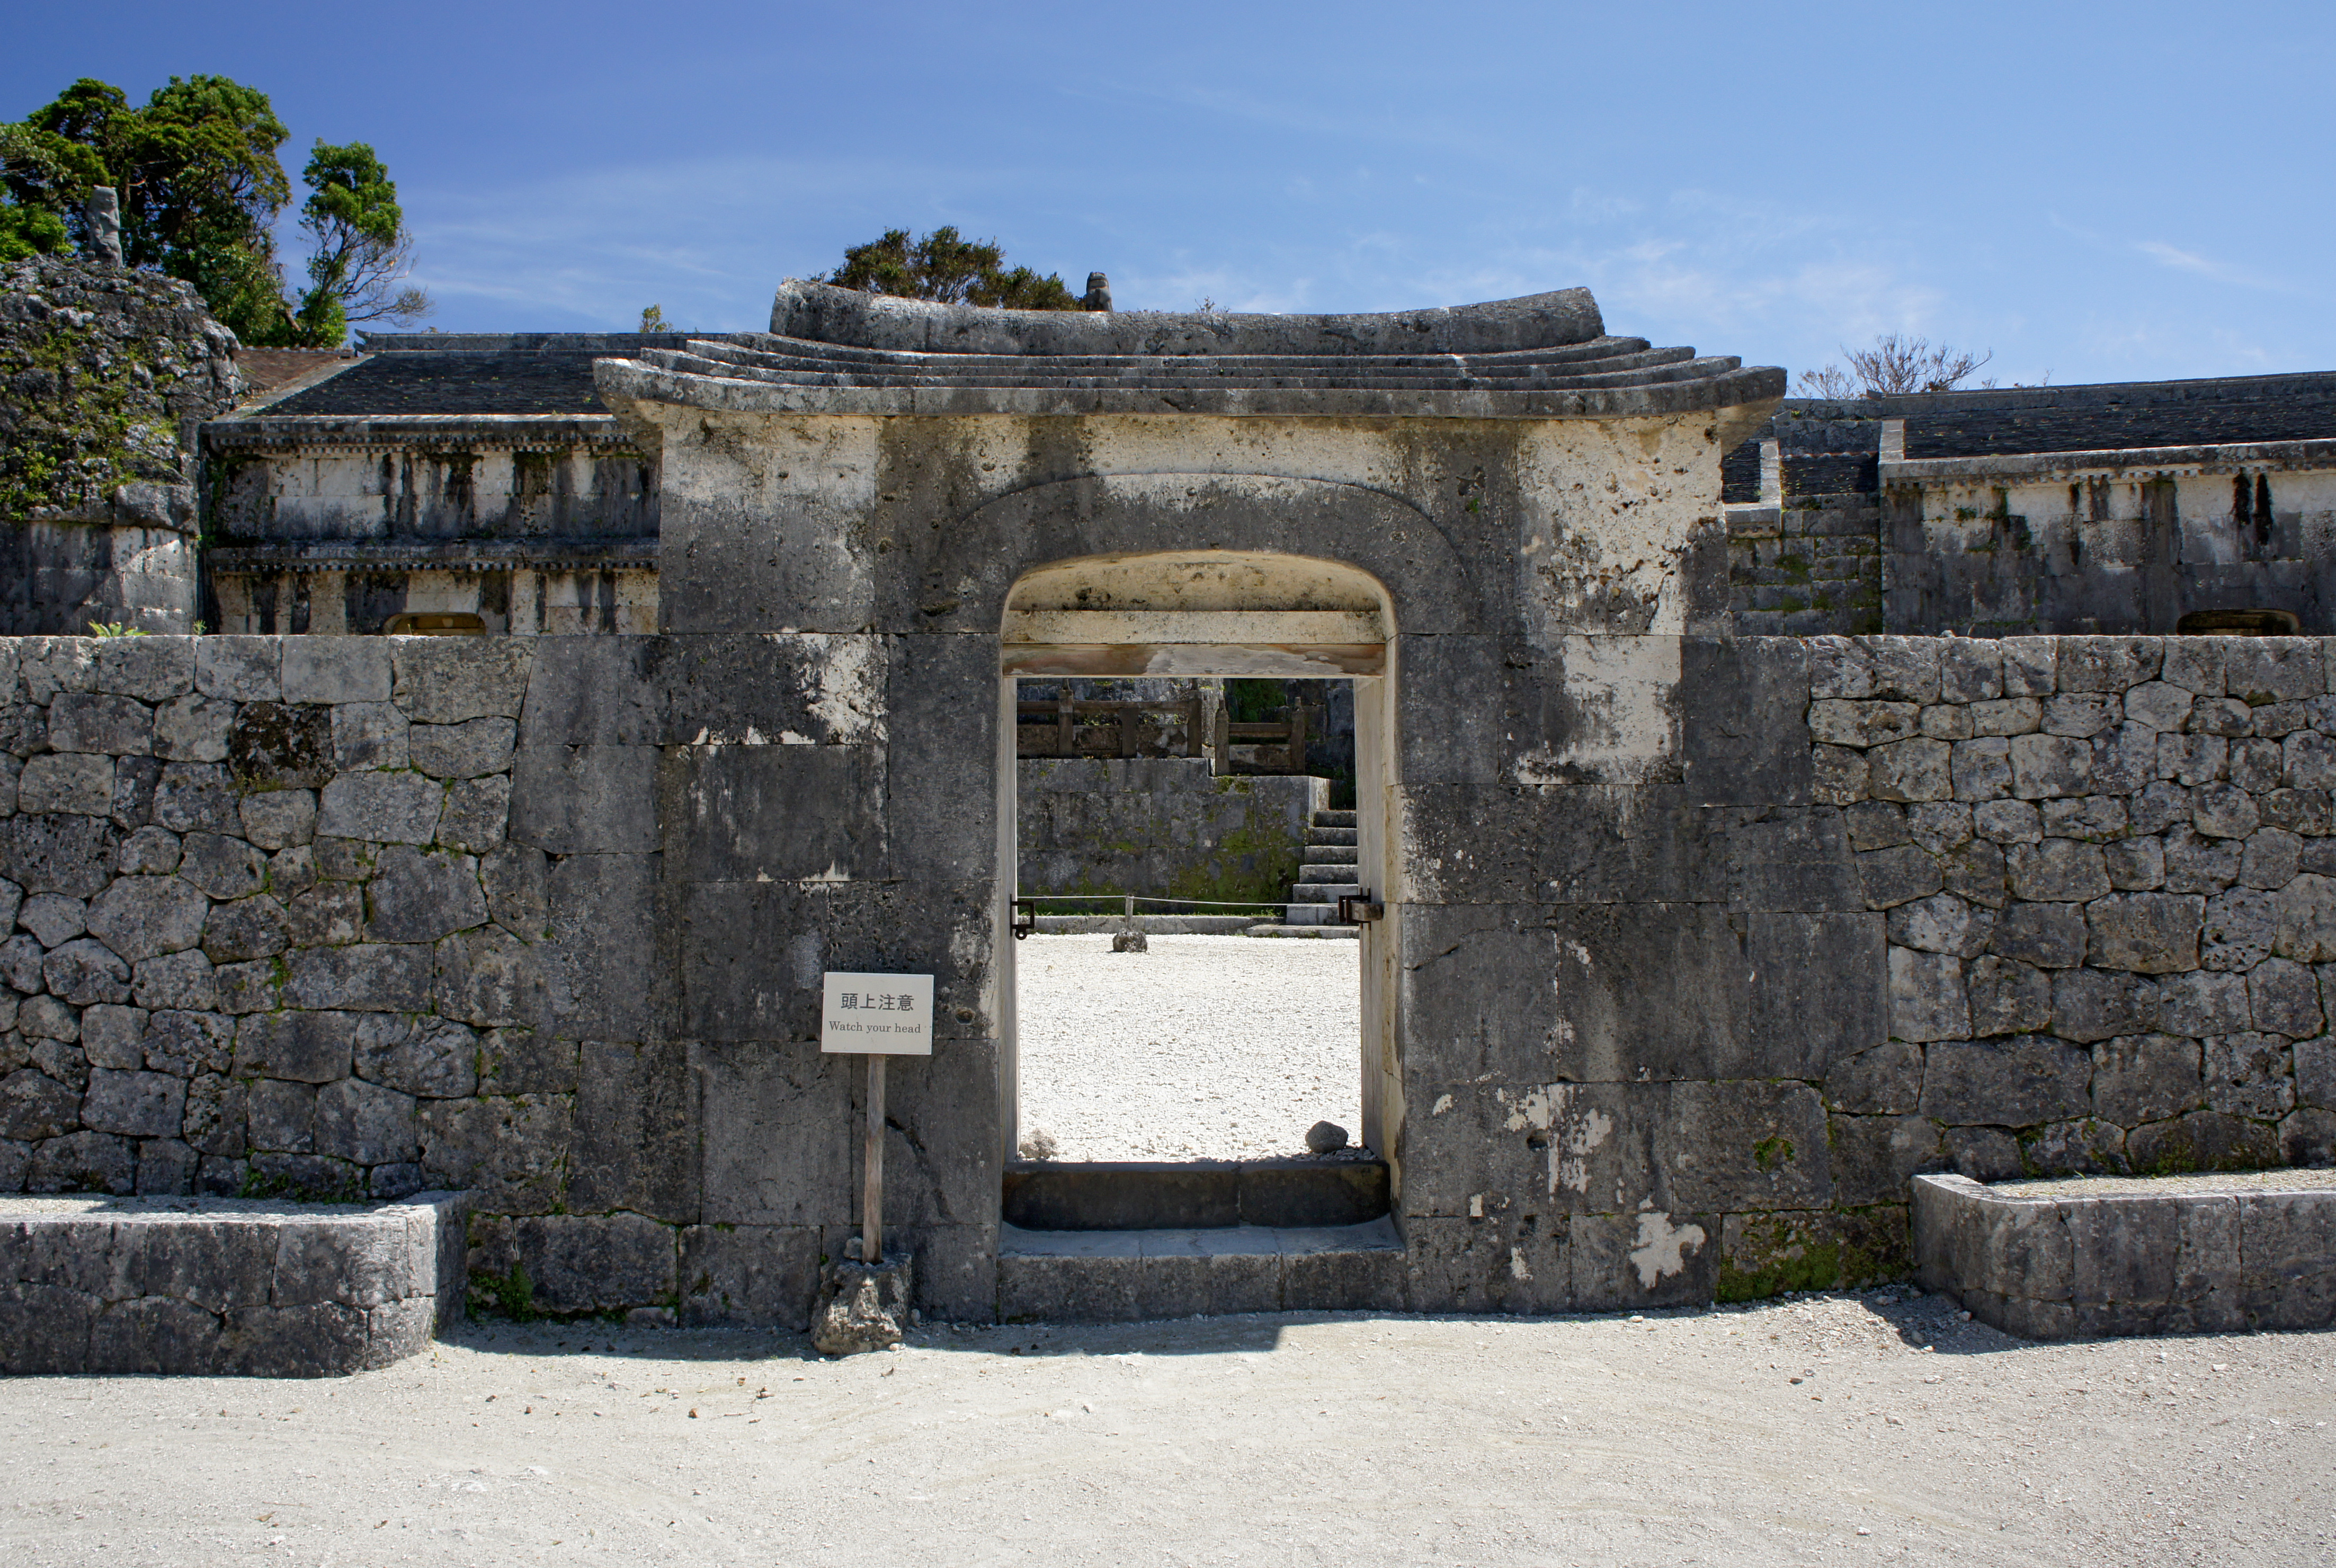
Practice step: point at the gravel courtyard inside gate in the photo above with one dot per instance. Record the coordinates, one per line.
(1202, 1048)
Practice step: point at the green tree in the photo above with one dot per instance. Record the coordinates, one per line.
(946, 266)
(361, 247)
(200, 189)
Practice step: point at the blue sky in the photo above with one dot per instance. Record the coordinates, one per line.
(2094, 192)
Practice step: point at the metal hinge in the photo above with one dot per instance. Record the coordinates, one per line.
(1355, 908)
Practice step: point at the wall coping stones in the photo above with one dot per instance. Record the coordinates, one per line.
(2103, 1256)
(225, 1287)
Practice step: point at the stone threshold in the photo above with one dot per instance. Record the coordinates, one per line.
(1140, 1195)
(1136, 1276)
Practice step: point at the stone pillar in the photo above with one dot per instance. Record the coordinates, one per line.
(1098, 294)
(104, 214)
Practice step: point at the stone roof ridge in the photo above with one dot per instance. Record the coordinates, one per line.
(848, 317)
(585, 343)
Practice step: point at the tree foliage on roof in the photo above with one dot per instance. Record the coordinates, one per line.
(944, 265)
(200, 188)
(1893, 366)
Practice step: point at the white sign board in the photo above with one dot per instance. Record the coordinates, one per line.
(878, 1015)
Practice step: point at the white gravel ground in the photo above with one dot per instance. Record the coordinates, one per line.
(1202, 1048)
(1836, 1432)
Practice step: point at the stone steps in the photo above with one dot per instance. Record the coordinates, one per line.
(1136, 1276)
(1329, 870)
(1195, 1195)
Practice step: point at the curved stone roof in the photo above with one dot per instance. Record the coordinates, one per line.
(840, 351)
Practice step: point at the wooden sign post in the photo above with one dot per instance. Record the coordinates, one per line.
(875, 1017)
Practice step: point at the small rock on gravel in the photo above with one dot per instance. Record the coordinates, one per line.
(1326, 1137)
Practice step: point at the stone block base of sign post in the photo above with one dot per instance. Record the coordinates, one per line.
(863, 1306)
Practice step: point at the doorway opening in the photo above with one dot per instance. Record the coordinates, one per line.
(1193, 778)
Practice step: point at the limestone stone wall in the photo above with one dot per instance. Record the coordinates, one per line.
(2110, 894)
(1162, 826)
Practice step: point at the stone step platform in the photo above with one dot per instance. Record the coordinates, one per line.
(225, 1287)
(2087, 1257)
(1322, 892)
(1335, 819)
(1152, 925)
(1330, 855)
(1348, 933)
(1195, 1195)
(1135, 1276)
(1338, 873)
(1331, 838)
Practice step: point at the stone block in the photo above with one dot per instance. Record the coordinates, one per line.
(773, 812)
(636, 1135)
(1837, 775)
(279, 819)
(2090, 1005)
(2265, 670)
(1886, 1079)
(216, 1115)
(510, 1152)
(366, 1124)
(239, 669)
(419, 896)
(2249, 1075)
(2284, 997)
(193, 729)
(35, 1106)
(2305, 915)
(516, 1061)
(252, 928)
(2134, 865)
(2240, 930)
(764, 1275)
(2007, 998)
(369, 978)
(381, 808)
(2008, 822)
(281, 1117)
(329, 915)
(2307, 1136)
(1873, 1158)
(336, 669)
(2066, 871)
(1863, 724)
(2159, 704)
(2148, 933)
(324, 1339)
(139, 917)
(2272, 860)
(175, 980)
(1589, 844)
(586, 799)
(477, 812)
(1764, 1254)
(1793, 860)
(277, 745)
(2193, 760)
(1875, 825)
(312, 1047)
(150, 851)
(74, 783)
(2285, 1239)
(44, 1330)
(224, 868)
(85, 972)
(1975, 872)
(114, 726)
(2018, 1082)
(2315, 1072)
(1819, 991)
(1941, 923)
(467, 750)
(424, 1056)
(368, 736)
(1494, 1264)
(2141, 1078)
(135, 1103)
(593, 1262)
(1927, 999)
(1736, 1145)
(2008, 717)
(2194, 664)
(779, 1134)
(2096, 819)
(113, 1037)
(1970, 671)
(2308, 760)
(2224, 811)
(1896, 876)
(759, 978)
(351, 1261)
(53, 918)
(515, 878)
(2078, 716)
(2044, 765)
(197, 797)
(490, 978)
(1910, 770)
(182, 1042)
(84, 1162)
(1639, 991)
(2165, 1266)
(2257, 766)
(2201, 1141)
(1648, 1258)
(1730, 756)
(246, 988)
